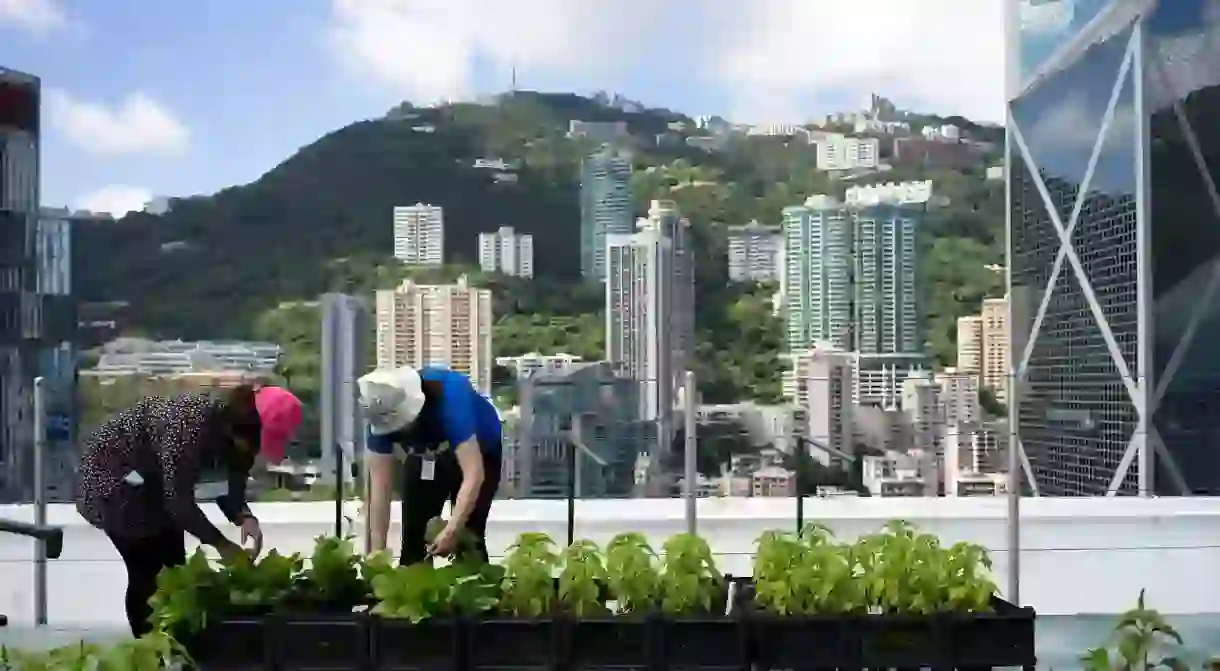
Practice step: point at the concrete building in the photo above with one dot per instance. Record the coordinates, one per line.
(970, 344)
(1116, 388)
(445, 325)
(139, 356)
(886, 288)
(529, 364)
(959, 394)
(900, 193)
(839, 152)
(507, 252)
(921, 401)
(995, 339)
(756, 253)
(822, 393)
(605, 206)
(419, 235)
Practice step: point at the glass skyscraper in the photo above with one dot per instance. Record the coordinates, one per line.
(1114, 244)
(605, 206)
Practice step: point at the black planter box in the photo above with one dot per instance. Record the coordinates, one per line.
(613, 641)
(1004, 637)
(320, 642)
(703, 643)
(504, 643)
(232, 644)
(898, 641)
(801, 643)
(398, 645)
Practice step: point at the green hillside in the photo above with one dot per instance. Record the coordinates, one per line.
(221, 266)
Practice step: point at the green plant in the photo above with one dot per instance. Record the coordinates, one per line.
(631, 572)
(966, 577)
(805, 574)
(580, 581)
(259, 583)
(901, 570)
(1142, 640)
(467, 544)
(151, 652)
(333, 580)
(690, 581)
(185, 596)
(529, 575)
(376, 564)
(421, 591)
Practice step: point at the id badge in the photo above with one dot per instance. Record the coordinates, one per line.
(427, 468)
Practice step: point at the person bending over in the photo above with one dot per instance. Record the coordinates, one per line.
(139, 469)
(449, 436)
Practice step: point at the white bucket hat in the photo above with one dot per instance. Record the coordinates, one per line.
(391, 399)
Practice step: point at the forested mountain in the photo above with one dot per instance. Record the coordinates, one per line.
(232, 264)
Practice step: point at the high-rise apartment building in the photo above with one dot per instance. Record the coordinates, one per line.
(959, 394)
(650, 310)
(756, 253)
(419, 234)
(605, 206)
(888, 318)
(818, 239)
(1114, 232)
(994, 345)
(437, 325)
(970, 344)
(921, 401)
(507, 252)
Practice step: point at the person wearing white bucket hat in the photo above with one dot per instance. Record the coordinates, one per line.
(450, 437)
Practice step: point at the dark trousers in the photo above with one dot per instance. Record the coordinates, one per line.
(424, 499)
(144, 559)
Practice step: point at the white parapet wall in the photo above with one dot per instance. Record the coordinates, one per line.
(1080, 555)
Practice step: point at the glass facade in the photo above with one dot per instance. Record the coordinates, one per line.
(1126, 332)
(1045, 26)
(1075, 316)
(1182, 96)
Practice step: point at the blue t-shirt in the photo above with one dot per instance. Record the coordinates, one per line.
(459, 413)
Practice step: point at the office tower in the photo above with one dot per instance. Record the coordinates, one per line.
(437, 325)
(605, 206)
(20, 319)
(994, 341)
(970, 344)
(1117, 380)
(818, 266)
(57, 352)
(756, 253)
(663, 215)
(419, 234)
(507, 252)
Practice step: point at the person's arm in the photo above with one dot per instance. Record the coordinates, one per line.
(459, 421)
(470, 460)
(379, 460)
(180, 454)
(233, 503)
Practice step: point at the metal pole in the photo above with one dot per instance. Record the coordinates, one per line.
(571, 465)
(1014, 504)
(691, 454)
(40, 502)
(339, 479)
(801, 467)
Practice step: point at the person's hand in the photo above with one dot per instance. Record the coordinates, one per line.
(252, 531)
(229, 550)
(444, 543)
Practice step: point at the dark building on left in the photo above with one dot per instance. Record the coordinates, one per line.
(37, 312)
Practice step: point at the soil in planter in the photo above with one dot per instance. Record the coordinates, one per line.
(431, 645)
(495, 643)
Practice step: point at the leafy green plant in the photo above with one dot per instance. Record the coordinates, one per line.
(631, 572)
(376, 564)
(581, 579)
(805, 574)
(151, 652)
(259, 583)
(1142, 640)
(185, 596)
(690, 581)
(467, 543)
(529, 576)
(333, 580)
(413, 592)
(901, 570)
(966, 577)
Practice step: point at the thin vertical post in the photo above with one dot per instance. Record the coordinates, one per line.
(571, 467)
(1012, 382)
(802, 457)
(1144, 323)
(339, 465)
(691, 455)
(40, 501)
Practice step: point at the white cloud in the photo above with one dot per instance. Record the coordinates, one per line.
(117, 199)
(775, 56)
(37, 16)
(139, 124)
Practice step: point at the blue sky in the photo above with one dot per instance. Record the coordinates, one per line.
(177, 98)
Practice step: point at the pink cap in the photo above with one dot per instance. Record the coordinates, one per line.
(279, 412)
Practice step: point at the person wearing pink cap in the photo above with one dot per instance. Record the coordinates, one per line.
(138, 472)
